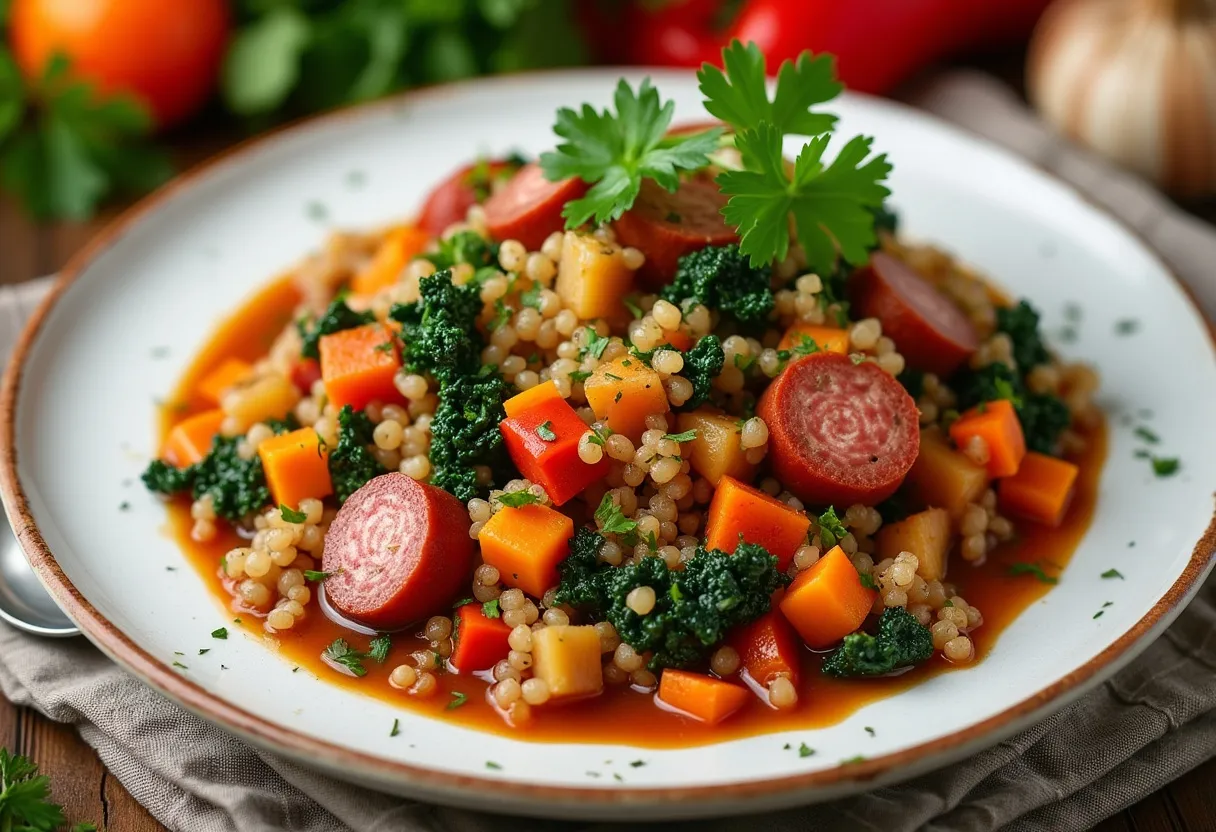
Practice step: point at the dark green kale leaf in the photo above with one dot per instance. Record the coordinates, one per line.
(351, 464)
(465, 432)
(439, 330)
(1021, 324)
(237, 486)
(163, 478)
(902, 642)
(694, 607)
(1043, 416)
(464, 247)
(722, 279)
(337, 317)
(702, 364)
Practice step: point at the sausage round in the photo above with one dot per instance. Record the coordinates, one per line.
(839, 433)
(398, 551)
(451, 199)
(529, 207)
(666, 225)
(931, 332)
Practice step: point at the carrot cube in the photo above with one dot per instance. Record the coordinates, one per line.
(542, 393)
(296, 466)
(480, 642)
(358, 366)
(768, 647)
(624, 392)
(190, 439)
(226, 375)
(543, 443)
(716, 450)
(827, 338)
(1041, 490)
(739, 513)
(702, 697)
(827, 601)
(568, 659)
(997, 424)
(526, 544)
(400, 246)
(677, 338)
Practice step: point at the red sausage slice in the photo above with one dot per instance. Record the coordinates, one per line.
(399, 550)
(451, 199)
(666, 225)
(839, 433)
(529, 207)
(927, 327)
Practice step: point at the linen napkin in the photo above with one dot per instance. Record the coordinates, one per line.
(1151, 723)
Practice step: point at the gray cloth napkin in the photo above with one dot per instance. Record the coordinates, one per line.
(1151, 723)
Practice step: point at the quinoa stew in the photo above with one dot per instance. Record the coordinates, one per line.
(659, 437)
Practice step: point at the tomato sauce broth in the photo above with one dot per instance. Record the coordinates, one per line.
(619, 715)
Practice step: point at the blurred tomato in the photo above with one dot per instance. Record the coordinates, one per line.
(165, 52)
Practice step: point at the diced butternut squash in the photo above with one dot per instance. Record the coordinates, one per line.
(768, 647)
(568, 659)
(543, 443)
(826, 338)
(270, 396)
(740, 513)
(190, 439)
(944, 477)
(624, 392)
(480, 642)
(526, 544)
(702, 697)
(538, 394)
(925, 534)
(400, 246)
(358, 365)
(827, 601)
(1041, 490)
(226, 375)
(592, 278)
(296, 466)
(996, 424)
(716, 450)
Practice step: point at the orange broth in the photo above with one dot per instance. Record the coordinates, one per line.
(619, 715)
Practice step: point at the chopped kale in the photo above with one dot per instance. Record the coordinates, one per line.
(464, 247)
(1043, 416)
(439, 330)
(913, 381)
(1021, 324)
(901, 642)
(702, 364)
(351, 464)
(337, 317)
(465, 432)
(722, 279)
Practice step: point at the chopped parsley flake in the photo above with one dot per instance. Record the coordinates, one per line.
(611, 519)
(1147, 435)
(493, 766)
(458, 699)
(517, 499)
(686, 436)
(396, 729)
(220, 633)
(290, 516)
(490, 609)
(596, 343)
(1034, 569)
(314, 575)
(545, 431)
(805, 750)
(1127, 326)
(1113, 573)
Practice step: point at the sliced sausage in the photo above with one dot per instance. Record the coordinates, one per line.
(529, 207)
(931, 332)
(449, 202)
(398, 552)
(666, 225)
(839, 433)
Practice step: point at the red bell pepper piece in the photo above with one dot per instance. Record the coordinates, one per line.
(479, 642)
(542, 440)
(305, 373)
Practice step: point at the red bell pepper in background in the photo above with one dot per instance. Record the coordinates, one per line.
(878, 43)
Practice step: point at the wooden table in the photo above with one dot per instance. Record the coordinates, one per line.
(88, 792)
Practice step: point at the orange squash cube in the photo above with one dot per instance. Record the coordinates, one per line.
(358, 366)
(997, 424)
(740, 513)
(1041, 490)
(190, 439)
(526, 544)
(827, 601)
(296, 466)
(827, 338)
(400, 246)
(226, 375)
(702, 697)
(592, 277)
(716, 450)
(624, 392)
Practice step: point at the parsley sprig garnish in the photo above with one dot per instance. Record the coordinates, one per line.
(25, 804)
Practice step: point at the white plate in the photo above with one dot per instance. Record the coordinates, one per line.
(79, 423)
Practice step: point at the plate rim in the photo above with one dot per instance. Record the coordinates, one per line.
(504, 793)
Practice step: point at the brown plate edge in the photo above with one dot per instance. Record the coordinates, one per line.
(699, 800)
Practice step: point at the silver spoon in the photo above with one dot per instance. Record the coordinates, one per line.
(24, 602)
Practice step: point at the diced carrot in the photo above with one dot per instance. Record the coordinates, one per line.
(296, 466)
(1041, 490)
(305, 373)
(943, 477)
(624, 392)
(827, 338)
(480, 642)
(717, 449)
(677, 338)
(231, 370)
(526, 544)
(543, 443)
(997, 424)
(400, 246)
(827, 601)
(358, 366)
(768, 647)
(702, 697)
(190, 439)
(740, 513)
(538, 394)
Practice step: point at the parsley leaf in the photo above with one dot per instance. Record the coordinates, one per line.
(596, 343)
(805, 750)
(830, 203)
(25, 804)
(378, 649)
(611, 519)
(340, 653)
(1147, 435)
(739, 96)
(831, 528)
(490, 609)
(458, 699)
(545, 431)
(1032, 569)
(686, 436)
(614, 152)
(314, 575)
(517, 499)
(599, 435)
(290, 516)
(220, 633)
(1113, 573)
(396, 729)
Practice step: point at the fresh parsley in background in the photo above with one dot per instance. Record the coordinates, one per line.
(25, 804)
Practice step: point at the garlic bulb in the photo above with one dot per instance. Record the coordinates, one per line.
(1136, 81)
